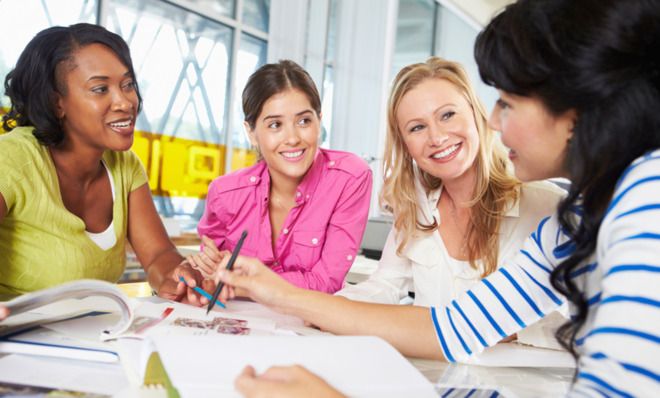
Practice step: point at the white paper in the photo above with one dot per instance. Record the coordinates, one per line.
(284, 324)
(148, 320)
(357, 366)
(90, 377)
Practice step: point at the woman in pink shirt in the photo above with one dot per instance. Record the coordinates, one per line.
(305, 208)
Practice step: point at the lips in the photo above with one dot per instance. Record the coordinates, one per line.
(122, 126)
(512, 154)
(293, 155)
(447, 153)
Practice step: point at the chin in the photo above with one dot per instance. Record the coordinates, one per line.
(125, 146)
(525, 176)
(296, 174)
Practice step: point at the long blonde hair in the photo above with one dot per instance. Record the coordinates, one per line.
(496, 187)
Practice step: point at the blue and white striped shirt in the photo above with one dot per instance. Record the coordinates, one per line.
(619, 344)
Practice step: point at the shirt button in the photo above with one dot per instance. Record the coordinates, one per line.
(286, 231)
(307, 197)
(332, 163)
(276, 263)
(349, 257)
(315, 241)
(298, 194)
(253, 179)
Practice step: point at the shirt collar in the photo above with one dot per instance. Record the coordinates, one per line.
(305, 189)
(310, 181)
(429, 202)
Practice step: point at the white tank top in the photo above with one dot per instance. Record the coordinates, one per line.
(106, 239)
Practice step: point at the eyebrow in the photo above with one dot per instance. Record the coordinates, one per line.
(126, 74)
(438, 109)
(297, 114)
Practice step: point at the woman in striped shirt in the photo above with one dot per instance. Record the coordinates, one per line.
(579, 87)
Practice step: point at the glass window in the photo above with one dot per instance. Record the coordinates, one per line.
(255, 13)
(224, 7)
(326, 105)
(455, 41)
(182, 63)
(414, 32)
(22, 19)
(251, 56)
(327, 91)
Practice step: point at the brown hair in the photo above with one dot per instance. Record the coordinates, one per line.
(495, 187)
(272, 79)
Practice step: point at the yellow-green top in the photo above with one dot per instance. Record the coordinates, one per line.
(41, 243)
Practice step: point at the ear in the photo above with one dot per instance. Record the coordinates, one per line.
(251, 135)
(58, 106)
(570, 117)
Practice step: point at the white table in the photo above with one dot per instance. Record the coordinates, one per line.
(511, 382)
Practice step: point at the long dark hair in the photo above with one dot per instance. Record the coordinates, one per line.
(33, 85)
(273, 79)
(600, 58)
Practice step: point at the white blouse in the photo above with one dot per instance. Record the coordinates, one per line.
(426, 268)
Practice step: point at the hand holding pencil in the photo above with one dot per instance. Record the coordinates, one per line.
(228, 266)
(251, 278)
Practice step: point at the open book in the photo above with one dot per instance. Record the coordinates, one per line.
(83, 319)
(59, 302)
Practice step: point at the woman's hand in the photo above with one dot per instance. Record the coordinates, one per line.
(251, 278)
(207, 261)
(173, 289)
(4, 312)
(283, 381)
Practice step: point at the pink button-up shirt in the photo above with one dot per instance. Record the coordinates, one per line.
(321, 234)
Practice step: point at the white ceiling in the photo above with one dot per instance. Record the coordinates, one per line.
(480, 11)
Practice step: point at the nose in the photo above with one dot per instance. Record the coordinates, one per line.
(292, 135)
(437, 136)
(123, 102)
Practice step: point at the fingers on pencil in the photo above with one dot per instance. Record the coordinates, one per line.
(208, 285)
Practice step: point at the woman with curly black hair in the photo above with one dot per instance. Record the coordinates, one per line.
(579, 84)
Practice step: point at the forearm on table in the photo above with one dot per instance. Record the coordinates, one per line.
(408, 328)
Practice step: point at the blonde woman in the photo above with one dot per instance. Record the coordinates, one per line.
(458, 210)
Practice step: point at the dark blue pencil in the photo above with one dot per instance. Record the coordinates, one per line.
(230, 264)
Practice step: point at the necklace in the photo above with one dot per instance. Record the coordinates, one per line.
(278, 202)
